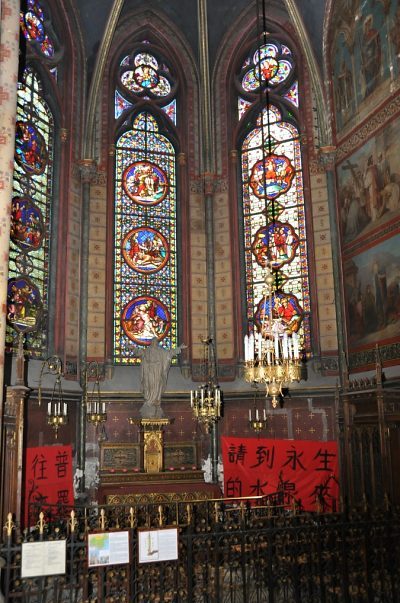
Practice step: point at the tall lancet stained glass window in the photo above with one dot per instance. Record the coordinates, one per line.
(272, 188)
(145, 239)
(30, 213)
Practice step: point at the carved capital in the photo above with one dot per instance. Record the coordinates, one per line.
(63, 135)
(209, 180)
(182, 159)
(233, 156)
(87, 168)
(327, 157)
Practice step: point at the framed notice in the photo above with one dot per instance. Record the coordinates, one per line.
(108, 548)
(158, 545)
(46, 558)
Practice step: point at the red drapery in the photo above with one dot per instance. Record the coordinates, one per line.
(48, 478)
(286, 470)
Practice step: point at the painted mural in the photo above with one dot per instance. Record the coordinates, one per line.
(369, 184)
(365, 57)
(372, 288)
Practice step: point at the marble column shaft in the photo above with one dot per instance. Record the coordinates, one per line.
(9, 52)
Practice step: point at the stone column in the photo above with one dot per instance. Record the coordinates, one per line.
(9, 47)
(88, 171)
(327, 159)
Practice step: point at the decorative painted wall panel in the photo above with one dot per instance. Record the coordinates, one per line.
(369, 185)
(372, 287)
(364, 57)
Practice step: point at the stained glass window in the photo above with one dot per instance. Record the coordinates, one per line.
(30, 212)
(145, 239)
(170, 110)
(273, 63)
(35, 28)
(273, 199)
(267, 63)
(142, 75)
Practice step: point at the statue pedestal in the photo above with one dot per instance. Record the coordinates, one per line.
(151, 433)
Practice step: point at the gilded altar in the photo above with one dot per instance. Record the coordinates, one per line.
(152, 469)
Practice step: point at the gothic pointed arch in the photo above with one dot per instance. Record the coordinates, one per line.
(151, 86)
(39, 199)
(259, 215)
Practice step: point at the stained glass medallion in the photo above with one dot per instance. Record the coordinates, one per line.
(145, 250)
(144, 318)
(285, 308)
(275, 244)
(27, 228)
(145, 183)
(30, 148)
(267, 65)
(142, 74)
(33, 26)
(271, 177)
(24, 304)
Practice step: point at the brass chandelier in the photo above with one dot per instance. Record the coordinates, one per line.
(272, 355)
(57, 408)
(206, 399)
(96, 413)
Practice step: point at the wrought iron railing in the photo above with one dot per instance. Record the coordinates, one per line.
(245, 551)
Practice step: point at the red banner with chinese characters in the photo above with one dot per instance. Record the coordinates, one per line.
(48, 478)
(305, 471)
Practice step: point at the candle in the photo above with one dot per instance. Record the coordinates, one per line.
(246, 348)
(295, 338)
(259, 345)
(276, 342)
(191, 398)
(49, 408)
(257, 414)
(285, 346)
(290, 350)
(251, 347)
(249, 414)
